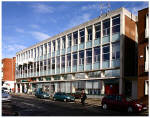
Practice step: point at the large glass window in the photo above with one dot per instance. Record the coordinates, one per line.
(97, 30)
(45, 46)
(58, 44)
(116, 24)
(74, 59)
(81, 57)
(41, 50)
(63, 61)
(106, 27)
(58, 62)
(82, 35)
(41, 65)
(34, 66)
(49, 64)
(53, 63)
(69, 40)
(53, 49)
(31, 53)
(97, 54)
(75, 38)
(49, 45)
(106, 51)
(45, 64)
(89, 56)
(89, 31)
(116, 51)
(38, 51)
(68, 60)
(63, 42)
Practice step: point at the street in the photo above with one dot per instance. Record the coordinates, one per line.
(24, 105)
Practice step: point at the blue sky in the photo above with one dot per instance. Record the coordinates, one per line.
(27, 23)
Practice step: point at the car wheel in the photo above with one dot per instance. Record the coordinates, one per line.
(130, 109)
(54, 99)
(65, 100)
(104, 106)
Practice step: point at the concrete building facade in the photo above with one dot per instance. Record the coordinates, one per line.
(8, 72)
(143, 54)
(93, 56)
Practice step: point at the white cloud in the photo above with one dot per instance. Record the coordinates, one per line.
(15, 47)
(19, 30)
(40, 36)
(79, 20)
(88, 7)
(35, 26)
(42, 8)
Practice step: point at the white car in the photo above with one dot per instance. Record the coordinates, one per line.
(5, 89)
(5, 97)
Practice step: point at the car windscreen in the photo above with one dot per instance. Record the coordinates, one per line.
(129, 99)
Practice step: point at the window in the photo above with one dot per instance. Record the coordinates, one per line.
(49, 64)
(146, 58)
(68, 60)
(41, 65)
(89, 56)
(53, 63)
(81, 57)
(31, 53)
(106, 50)
(82, 34)
(75, 38)
(106, 27)
(41, 50)
(58, 44)
(45, 46)
(116, 24)
(116, 51)
(96, 74)
(34, 66)
(38, 51)
(63, 61)
(74, 59)
(69, 40)
(97, 30)
(45, 64)
(58, 62)
(97, 54)
(53, 48)
(37, 66)
(49, 45)
(89, 31)
(63, 42)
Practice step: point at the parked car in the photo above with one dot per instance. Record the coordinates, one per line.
(5, 89)
(63, 96)
(77, 95)
(40, 94)
(5, 97)
(121, 102)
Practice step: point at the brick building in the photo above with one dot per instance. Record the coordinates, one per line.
(143, 53)
(8, 72)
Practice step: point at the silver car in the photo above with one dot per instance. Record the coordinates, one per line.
(5, 97)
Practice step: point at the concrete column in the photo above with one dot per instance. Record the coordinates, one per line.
(103, 87)
(110, 42)
(101, 48)
(20, 88)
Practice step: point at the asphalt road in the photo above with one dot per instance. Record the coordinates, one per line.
(32, 106)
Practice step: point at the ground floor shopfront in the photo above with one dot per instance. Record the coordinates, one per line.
(95, 87)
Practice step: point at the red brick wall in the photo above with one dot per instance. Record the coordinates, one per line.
(142, 43)
(8, 69)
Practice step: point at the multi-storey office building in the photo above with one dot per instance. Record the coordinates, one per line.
(92, 56)
(143, 54)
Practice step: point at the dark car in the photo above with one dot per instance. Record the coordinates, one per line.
(40, 94)
(121, 102)
(77, 95)
(63, 96)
